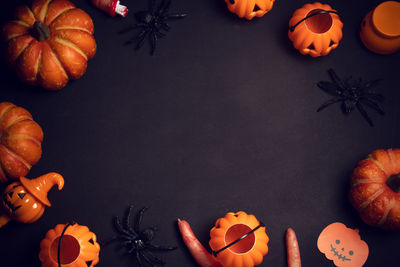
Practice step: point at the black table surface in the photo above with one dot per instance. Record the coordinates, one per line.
(222, 118)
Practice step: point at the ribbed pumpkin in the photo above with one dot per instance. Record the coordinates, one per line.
(50, 43)
(79, 247)
(375, 189)
(21, 141)
(249, 8)
(247, 252)
(317, 35)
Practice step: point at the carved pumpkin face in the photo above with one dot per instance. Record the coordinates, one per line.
(78, 248)
(343, 245)
(315, 35)
(20, 204)
(249, 8)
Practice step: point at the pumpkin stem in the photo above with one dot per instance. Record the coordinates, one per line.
(40, 31)
(394, 183)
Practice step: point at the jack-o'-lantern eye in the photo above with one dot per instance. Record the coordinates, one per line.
(351, 253)
(10, 194)
(337, 241)
(21, 195)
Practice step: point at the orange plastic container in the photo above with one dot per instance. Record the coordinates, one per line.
(380, 28)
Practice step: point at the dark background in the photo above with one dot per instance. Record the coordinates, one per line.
(222, 118)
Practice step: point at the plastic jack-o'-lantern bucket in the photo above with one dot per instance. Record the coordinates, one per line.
(239, 240)
(25, 201)
(315, 29)
(69, 245)
(249, 8)
(380, 29)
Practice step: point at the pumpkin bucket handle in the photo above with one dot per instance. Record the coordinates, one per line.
(215, 253)
(59, 242)
(293, 27)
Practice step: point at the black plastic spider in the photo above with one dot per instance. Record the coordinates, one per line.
(152, 22)
(353, 94)
(138, 241)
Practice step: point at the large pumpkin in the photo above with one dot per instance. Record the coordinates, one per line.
(232, 252)
(78, 247)
(249, 8)
(49, 43)
(21, 141)
(375, 189)
(315, 29)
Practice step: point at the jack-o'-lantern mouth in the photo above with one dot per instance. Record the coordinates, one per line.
(340, 256)
(9, 204)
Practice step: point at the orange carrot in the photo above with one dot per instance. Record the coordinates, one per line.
(293, 251)
(199, 253)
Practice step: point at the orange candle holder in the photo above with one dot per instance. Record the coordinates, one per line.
(315, 29)
(380, 28)
(249, 8)
(69, 245)
(239, 240)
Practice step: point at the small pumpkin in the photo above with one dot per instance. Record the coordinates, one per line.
(49, 43)
(249, 8)
(21, 142)
(24, 201)
(375, 189)
(78, 247)
(343, 245)
(247, 252)
(315, 29)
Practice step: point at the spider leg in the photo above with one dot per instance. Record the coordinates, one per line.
(128, 220)
(367, 86)
(329, 88)
(175, 16)
(374, 105)
(137, 37)
(165, 26)
(147, 259)
(328, 103)
(119, 227)
(109, 241)
(152, 6)
(157, 31)
(160, 248)
(375, 97)
(364, 114)
(153, 42)
(153, 259)
(139, 260)
(164, 7)
(139, 219)
(335, 78)
(130, 28)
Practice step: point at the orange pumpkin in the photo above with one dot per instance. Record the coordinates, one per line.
(375, 189)
(247, 252)
(315, 29)
(78, 247)
(343, 245)
(50, 43)
(21, 141)
(24, 201)
(249, 8)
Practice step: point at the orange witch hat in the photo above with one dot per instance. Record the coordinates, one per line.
(39, 187)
